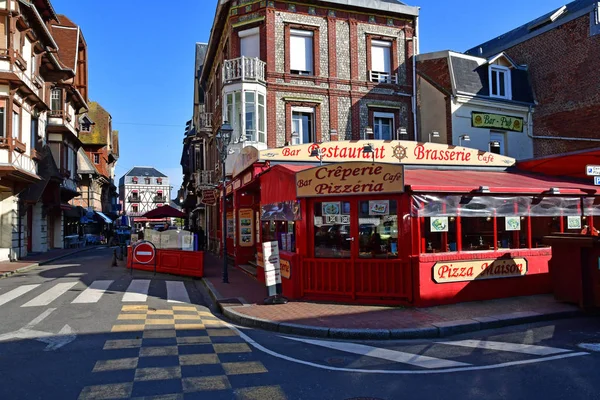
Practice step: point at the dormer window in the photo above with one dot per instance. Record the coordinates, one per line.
(500, 85)
(134, 180)
(159, 181)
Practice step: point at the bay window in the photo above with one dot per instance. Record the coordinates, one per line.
(245, 111)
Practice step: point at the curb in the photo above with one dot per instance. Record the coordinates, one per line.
(436, 330)
(44, 262)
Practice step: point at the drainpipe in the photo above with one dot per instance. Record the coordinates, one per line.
(415, 52)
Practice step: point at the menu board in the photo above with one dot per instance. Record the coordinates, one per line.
(246, 218)
(272, 266)
(230, 225)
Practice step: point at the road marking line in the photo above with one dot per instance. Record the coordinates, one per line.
(137, 290)
(384, 354)
(260, 347)
(50, 295)
(13, 294)
(93, 293)
(509, 347)
(590, 346)
(176, 292)
(39, 318)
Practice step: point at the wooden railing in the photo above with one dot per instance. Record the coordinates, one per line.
(13, 143)
(20, 61)
(245, 69)
(379, 281)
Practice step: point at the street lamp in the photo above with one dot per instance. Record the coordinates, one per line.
(434, 134)
(223, 139)
(319, 153)
(466, 138)
(368, 149)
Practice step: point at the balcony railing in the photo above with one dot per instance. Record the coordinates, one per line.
(14, 143)
(59, 114)
(160, 199)
(20, 61)
(382, 77)
(205, 179)
(134, 199)
(205, 120)
(244, 69)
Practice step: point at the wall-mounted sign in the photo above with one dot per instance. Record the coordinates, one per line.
(573, 222)
(286, 269)
(461, 271)
(512, 223)
(246, 218)
(438, 224)
(346, 179)
(504, 122)
(247, 157)
(379, 207)
(247, 178)
(209, 197)
(283, 211)
(237, 184)
(390, 152)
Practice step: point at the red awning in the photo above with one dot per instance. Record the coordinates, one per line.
(566, 164)
(279, 183)
(464, 181)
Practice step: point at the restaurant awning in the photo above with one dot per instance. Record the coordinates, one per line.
(279, 183)
(103, 217)
(465, 181)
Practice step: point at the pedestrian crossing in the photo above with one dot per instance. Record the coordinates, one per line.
(138, 291)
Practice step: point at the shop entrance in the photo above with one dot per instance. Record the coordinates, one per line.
(355, 251)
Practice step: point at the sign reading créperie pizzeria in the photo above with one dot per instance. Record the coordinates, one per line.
(475, 270)
(345, 179)
(505, 122)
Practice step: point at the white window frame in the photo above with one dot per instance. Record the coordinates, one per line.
(56, 95)
(309, 59)
(297, 138)
(238, 120)
(385, 76)
(96, 157)
(507, 82)
(16, 125)
(385, 115)
(247, 35)
(499, 137)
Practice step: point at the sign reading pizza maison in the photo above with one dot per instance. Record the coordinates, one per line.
(475, 270)
(389, 151)
(352, 178)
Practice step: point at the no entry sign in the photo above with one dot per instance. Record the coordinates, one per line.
(144, 253)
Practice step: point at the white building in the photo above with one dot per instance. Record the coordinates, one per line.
(143, 189)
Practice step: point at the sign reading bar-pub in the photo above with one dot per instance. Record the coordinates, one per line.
(505, 122)
(460, 271)
(352, 178)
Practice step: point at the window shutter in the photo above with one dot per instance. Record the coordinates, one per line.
(380, 56)
(250, 43)
(3, 34)
(301, 50)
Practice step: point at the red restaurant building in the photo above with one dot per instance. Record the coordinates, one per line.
(402, 223)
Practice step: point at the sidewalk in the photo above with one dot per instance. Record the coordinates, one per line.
(8, 268)
(241, 302)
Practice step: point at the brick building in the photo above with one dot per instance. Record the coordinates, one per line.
(561, 50)
(284, 73)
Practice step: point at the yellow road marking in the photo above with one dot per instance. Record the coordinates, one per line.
(113, 391)
(157, 374)
(199, 384)
(242, 368)
(198, 359)
(127, 328)
(189, 326)
(164, 321)
(115, 365)
(260, 393)
(231, 348)
(122, 344)
(131, 316)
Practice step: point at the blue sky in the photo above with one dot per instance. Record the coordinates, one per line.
(141, 60)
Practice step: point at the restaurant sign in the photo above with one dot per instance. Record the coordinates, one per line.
(346, 179)
(497, 121)
(209, 197)
(247, 157)
(389, 151)
(475, 270)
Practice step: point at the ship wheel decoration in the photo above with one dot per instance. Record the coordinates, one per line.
(400, 152)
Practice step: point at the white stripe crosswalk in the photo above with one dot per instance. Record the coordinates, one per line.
(93, 293)
(509, 347)
(137, 291)
(176, 292)
(13, 294)
(50, 295)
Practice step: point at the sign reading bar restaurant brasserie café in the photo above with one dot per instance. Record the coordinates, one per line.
(390, 152)
(505, 122)
(345, 179)
(475, 270)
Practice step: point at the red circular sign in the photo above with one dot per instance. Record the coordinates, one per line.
(144, 253)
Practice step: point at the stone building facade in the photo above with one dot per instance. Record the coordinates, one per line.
(284, 73)
(560, 49)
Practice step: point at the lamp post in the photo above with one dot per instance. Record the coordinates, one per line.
(319, 153)
(223, 139)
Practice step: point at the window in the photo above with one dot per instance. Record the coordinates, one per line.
(96, 158)
(250, 106)
(16, 129)
(383, 126)
(378, 232)
(147, 181)
(134, 180)
(261, 118)
(246, 113)
(2, 122)
(134, 208)
(497, 143)
(303, 125)
(34, 132)
(159, 181)
(56, 99)
(301, 52)
(332, 229)
(381, 62)
(249, 43)
(85, 127)
(500, 82)
(135, 195)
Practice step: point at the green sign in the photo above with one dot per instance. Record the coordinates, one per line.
(497, 121)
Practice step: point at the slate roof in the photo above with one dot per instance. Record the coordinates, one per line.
(532, 28)
(145, 171)
(84, 164)
(98, 134)
(471, 76)
(66, 35)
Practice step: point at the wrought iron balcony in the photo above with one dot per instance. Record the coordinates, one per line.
(243, 69)
(160, 199)
(134, 199)
(205, 179)
(205, 121)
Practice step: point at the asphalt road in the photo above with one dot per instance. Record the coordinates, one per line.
(82, 329)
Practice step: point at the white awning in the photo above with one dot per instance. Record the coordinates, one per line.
(104, 217)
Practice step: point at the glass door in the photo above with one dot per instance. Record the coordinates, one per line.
(333, 236)
(378, 229)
